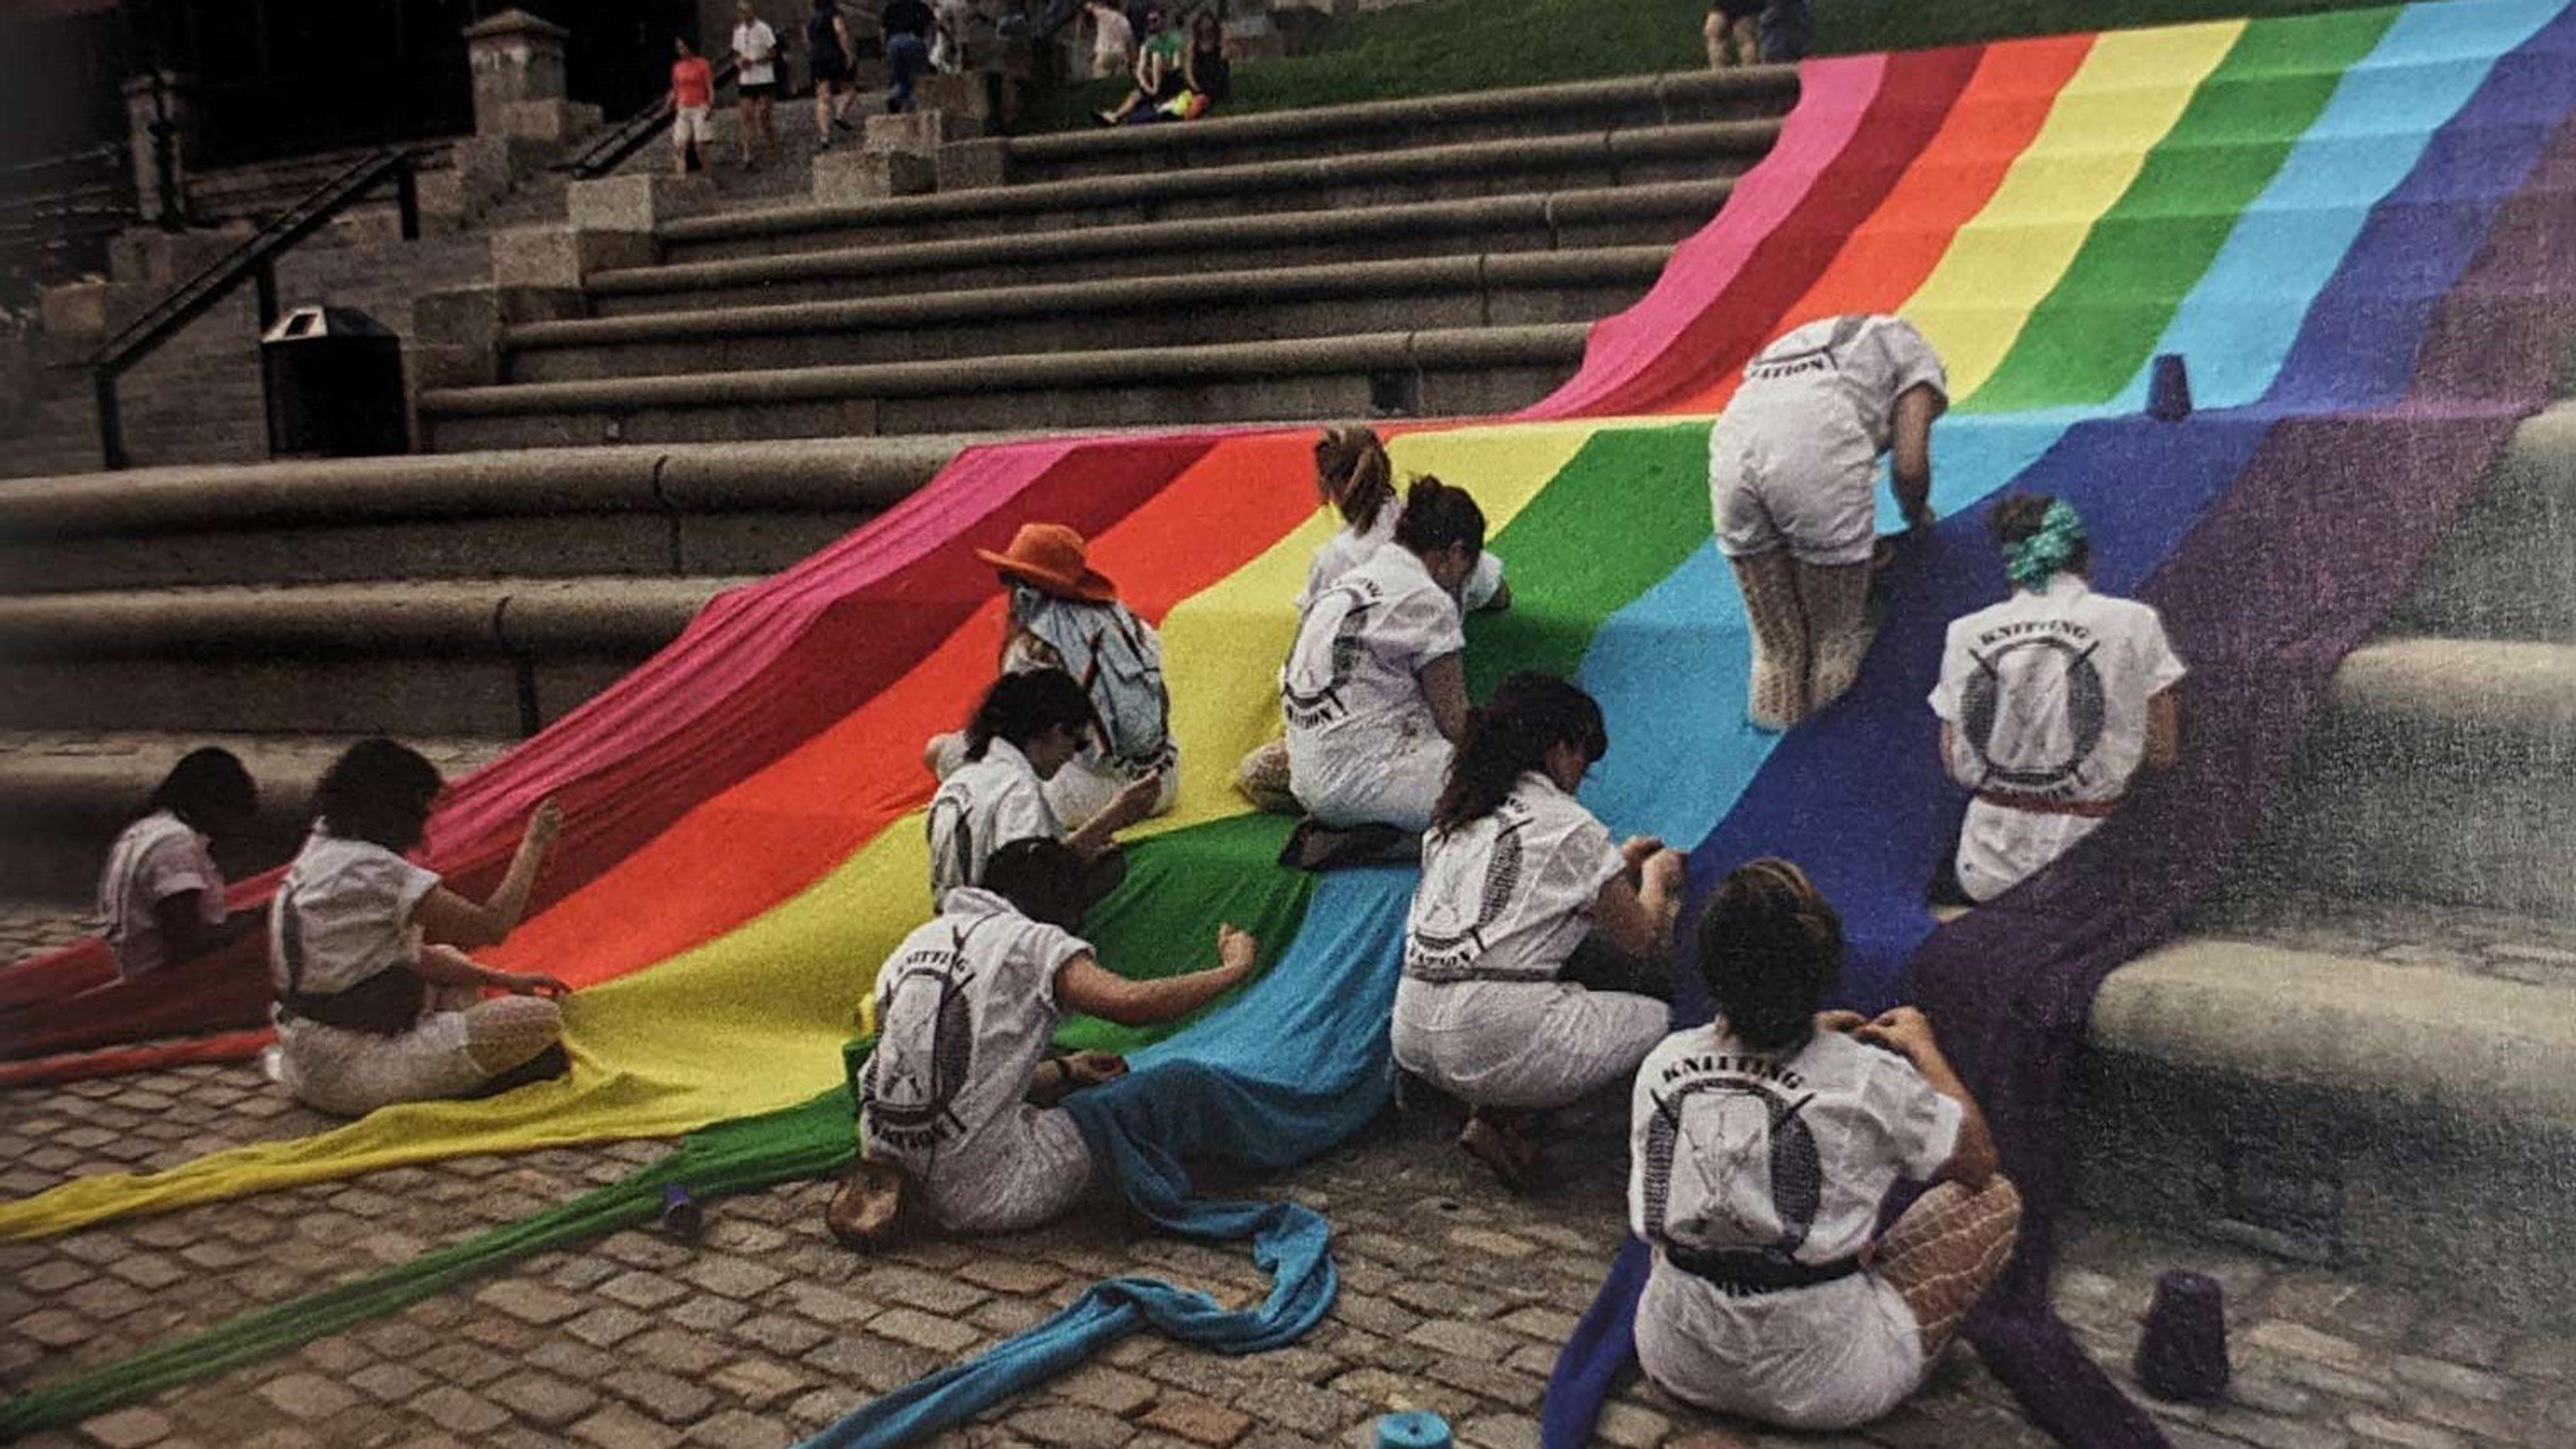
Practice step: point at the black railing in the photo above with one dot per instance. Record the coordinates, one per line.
(254, 260)
(609, 148)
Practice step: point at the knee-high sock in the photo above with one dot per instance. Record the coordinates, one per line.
(1836, 600)
(1777, 695)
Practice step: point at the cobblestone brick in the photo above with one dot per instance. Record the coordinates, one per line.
(619, 1427)
(1198, 1422)
(460, 1412)
(732, 1277)
(671, 1400)
(643, 1290)
(127, 1428)
(307, 1396)
(1073, 1426)
(759, 1383)
(529, 1302)
(544, 1399)
(939, 1335)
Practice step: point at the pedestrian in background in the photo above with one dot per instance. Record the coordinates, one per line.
(755, 55)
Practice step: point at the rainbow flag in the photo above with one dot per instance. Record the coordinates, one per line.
(2301, 207)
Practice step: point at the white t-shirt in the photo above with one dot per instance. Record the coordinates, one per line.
(1113, 42)
(984, 806)
(155, 858)
(965, 1009)
(1780, 1155)
(352, 901)
(1354, 546)
(2046, 696)
(757, 44)
(1349, 688)
(1820, 401)
(1507, 898)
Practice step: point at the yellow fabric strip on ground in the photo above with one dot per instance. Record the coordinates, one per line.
(2123, 99)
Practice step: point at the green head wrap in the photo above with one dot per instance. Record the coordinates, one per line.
(2060, 536)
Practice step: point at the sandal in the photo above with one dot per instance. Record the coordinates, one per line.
(1503, 1146)
(1313, 845)
(867, 1209)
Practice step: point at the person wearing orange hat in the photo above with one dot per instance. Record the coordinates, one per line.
(1064, 614)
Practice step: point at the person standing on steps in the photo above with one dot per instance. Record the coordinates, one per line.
(907, 25)
(161, 897)
(1788, 28)
(958, 1105)
(693, 100)
(827, 51)
(1113, 39)
(1732, 33)
(755, 55)
(1761, 1147)
(2049, 702)
(1790, 469)
(1517, 881)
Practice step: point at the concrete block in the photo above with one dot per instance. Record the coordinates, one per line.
(844, 177)
(554, 122)
(559, 257)
(922, 132)
(75, 312)
(637, 203)
(965, 165)
(446, 202)
(974, 99)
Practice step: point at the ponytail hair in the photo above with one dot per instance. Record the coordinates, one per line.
(1437, 516)
(1352, 468)
(1770, 947)
(1024, 705)
(1509, 736)
(207, 787)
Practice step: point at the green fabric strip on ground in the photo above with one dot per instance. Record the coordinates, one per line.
(2092, 333)
(1162, 921)
(1626, 510)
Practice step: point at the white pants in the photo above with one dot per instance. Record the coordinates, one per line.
(1508, 1044)
(1395, 786)
(1812, 496)
(1082, 789)
(1833, 1356)
(1025, 1174)
(2000, 847)
(351, 1073)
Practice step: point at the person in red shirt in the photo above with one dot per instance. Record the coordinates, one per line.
(693, 99)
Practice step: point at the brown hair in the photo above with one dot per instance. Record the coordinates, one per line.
(1770, 947)
(1352, 466)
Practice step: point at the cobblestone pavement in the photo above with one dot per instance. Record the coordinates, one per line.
(1455, 1298)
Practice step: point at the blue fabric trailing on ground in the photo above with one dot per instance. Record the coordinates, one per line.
(1294, 1065)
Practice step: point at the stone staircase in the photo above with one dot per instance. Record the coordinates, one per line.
(1237, 269)
(2361, 1055)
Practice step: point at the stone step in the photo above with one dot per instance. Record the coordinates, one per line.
(1452, 372)
(65, 795)
(1697, 151)
(1505, 290)
(479, 657)
(673, 510)
(1612, 216)
(2507, 568)
(1521, 113)
(2349, 1100)
(2443, 770)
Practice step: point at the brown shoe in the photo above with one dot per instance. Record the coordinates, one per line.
(866, 1211)
(1500, 1140)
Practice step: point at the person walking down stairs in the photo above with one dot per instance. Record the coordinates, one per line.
(827, 50)
(907, 26)
(755, 53)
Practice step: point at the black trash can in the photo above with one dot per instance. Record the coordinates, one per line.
(335, 385)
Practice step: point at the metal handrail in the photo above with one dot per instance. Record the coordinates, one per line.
(609, 149)
(256, 260)
(104, 151)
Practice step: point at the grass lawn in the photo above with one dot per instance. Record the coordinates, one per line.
(1441, 46)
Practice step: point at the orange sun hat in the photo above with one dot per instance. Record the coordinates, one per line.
(1054, 558)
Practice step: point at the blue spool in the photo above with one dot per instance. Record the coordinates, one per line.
(1412, 1429)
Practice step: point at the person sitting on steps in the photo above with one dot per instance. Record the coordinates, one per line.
(1761, 1148)
(958, 1105)
(377, 1001)
(1518, 880)
(1354, 479)
(2049, 703)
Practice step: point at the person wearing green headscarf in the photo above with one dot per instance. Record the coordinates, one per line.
(2049, 701)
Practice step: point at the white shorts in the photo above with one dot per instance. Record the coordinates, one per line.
(1770, 489)
(1834, 1356)
(693, 123)
(1506, 1044)
(2000, 847)
(1394, 787)
(1024, 1177)
(351, 1073)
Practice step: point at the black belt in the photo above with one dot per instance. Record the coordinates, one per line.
(1741, 1274)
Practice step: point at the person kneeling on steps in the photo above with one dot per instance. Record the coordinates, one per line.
(958, 1114)
(377, 1001)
